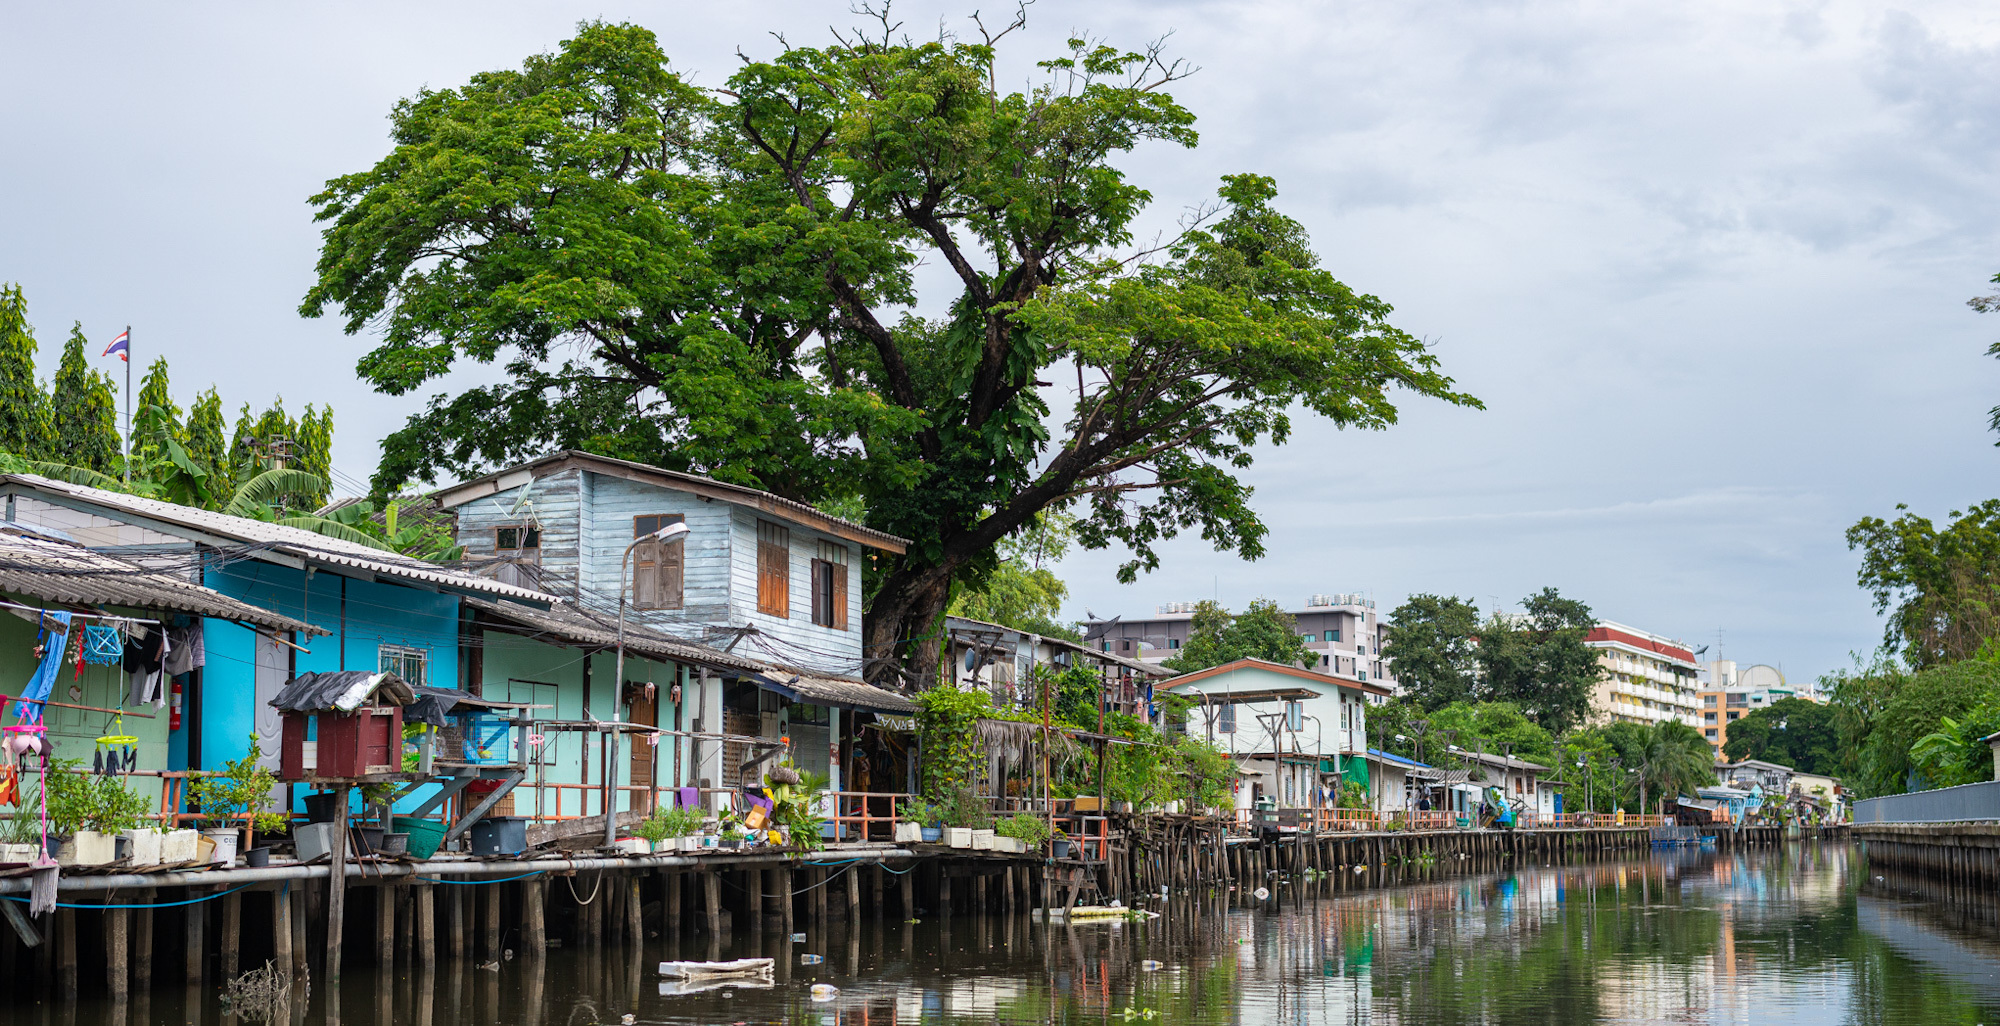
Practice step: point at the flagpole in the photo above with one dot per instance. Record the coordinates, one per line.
(128, 404)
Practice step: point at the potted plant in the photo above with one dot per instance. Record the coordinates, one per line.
(795, 808)
(652, 830)
(240, 792)
(732, 830)
(1023, 832)
(111, 810)
(679, 827)
(71, 799)
(1059, 844)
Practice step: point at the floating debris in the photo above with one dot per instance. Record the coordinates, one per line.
(825, 992)
(1261, 894)
(811, 959)
(798, 938)
(1150, 965)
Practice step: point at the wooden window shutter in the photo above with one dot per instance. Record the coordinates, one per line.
(839, 574)
(820, 612)
(774, 569)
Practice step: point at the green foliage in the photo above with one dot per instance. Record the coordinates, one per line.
(1432, 642)
(1075, 693)
(737, 258)
(1263, 631)
(83, 413)
(24, 413)
(205, 445)
(1028, 829)
(243, 788)
(156, 422)
(1021, 591)
(948, 737)
(113, 807)
(71, 796)
(1538, 660)
(1941, 589)
(794, 806)
(420, 537)
(1207, 773)
(1790, 732)
(1899, 709)
(1673, 759)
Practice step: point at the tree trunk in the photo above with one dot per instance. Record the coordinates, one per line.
(904, 627)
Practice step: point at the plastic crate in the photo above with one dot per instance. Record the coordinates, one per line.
(500, 835)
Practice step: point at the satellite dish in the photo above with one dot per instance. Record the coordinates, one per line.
(971, 659)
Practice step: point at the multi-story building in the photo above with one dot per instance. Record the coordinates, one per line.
(1726, 694)
(1342, 630)
(1648, 678)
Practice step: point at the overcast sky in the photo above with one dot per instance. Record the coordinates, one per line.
(1706, 264)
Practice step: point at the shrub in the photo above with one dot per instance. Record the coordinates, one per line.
(1028, 829)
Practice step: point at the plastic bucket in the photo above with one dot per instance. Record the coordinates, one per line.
(321, 807)
(425, 835)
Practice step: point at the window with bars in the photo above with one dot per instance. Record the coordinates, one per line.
(658, 569)
(521, 548)
(1225, 719)
(411, 664)
(774, 569)
(829, 586)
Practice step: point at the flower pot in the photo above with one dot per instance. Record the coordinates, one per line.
(257, 858)
(18, 854)
(226, 839)
(313, 840)
(958, 837)
(394, 845)
(1010, 845)
(908, 832)
(710, 842)
(178, 846)
(732, 842)
(368, 839)
(686, 844)
(635, 846)
(322, 807)
(1059, 847)
(931, 835)
(982, 840)
(204, 849)
(88, 848)
(145, 846)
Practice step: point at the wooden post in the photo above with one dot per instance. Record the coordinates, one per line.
(784, 897)
(907, 883)
(853, 896)
(117, 952)
(492, 921)
(427, 926)
(711, 899)
(297, 896)
(456, 942)
(232, 935)
(336, 884)
(635, 920)
(670, 929)
(944, 894)
(142, 944)
(281, 930)
(534, 933)
(875, 883)
(197, 917)
(66, 952)
(385, 925)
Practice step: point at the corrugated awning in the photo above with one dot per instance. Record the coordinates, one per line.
(64, 573)
(574, 626)
(838, 692)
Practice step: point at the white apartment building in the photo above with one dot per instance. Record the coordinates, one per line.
(1647, 677)
(1341, 629)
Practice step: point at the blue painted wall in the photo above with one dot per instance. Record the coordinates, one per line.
(362, 616)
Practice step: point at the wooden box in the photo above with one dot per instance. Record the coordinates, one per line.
(366, 743)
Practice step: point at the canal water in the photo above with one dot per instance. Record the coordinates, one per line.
(1796, 936)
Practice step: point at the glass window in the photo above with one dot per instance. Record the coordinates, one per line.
(1225, 719)
(411, 664)
(830, 586)
(1173, 642)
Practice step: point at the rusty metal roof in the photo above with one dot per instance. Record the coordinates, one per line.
(65, 573)
(571, 625)
(293, 541)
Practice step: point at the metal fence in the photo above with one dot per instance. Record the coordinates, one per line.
(1962, 804)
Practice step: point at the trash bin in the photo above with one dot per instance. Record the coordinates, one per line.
(425, 835)
(500, 835)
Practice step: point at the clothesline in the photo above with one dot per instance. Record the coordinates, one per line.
(79, 616)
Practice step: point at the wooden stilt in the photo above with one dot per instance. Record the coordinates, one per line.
(117, 953)
(142, 944)
(385, 925)
(534, 928)
(455, 943)
(907, 884)
(196, 943)
(711, 900)
(66, 953)
(785, 900)
(232, 935)
(281, 930)
(427, 927)
(492, 923)
(336, 890)
(297, 896)
(875, 875)
(670, 926)
(406, 913)
(853, 896)
(635, 922)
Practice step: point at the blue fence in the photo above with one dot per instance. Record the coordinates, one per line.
(1966, 803)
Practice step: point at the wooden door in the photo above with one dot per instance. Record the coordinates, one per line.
(643, 711)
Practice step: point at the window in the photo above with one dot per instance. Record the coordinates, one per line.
(774, 569)
(1363, 674)
(1173, 642)
(1710, 732)
(1307, 636)
(520, 547)
(1708, 699)
(1225, 719)
(410, 664)
(1733, 714)
(1708, 717)
(830, 586)
(658, 570)
(1361, 650)
(1333, 635)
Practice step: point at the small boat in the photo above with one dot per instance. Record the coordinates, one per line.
(678, 988)
(1105, 912)
(717, 970)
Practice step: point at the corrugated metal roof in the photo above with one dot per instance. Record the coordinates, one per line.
(455, 495)
(292, 541)
(571, 625)
(840, 691)
(65, 573)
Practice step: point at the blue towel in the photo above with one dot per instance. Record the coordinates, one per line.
(44, 680)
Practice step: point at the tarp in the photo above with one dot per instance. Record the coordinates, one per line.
(342, 690)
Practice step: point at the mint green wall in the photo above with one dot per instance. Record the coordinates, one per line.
(75, 732)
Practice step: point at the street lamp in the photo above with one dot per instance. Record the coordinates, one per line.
(666, 535)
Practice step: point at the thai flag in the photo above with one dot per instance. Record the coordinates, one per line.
(122, 345)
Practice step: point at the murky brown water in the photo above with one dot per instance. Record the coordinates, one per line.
(1780, 937)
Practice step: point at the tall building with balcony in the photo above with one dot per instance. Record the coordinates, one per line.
(1647, 677)
(1342, 630)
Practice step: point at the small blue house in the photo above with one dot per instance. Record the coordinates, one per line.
(380, 610)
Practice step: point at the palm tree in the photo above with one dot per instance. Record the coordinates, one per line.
(1673, 758)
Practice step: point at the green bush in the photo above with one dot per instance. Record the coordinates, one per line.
(113, 807)
(1028, 829)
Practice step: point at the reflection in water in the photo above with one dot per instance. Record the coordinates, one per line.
(1784, 937)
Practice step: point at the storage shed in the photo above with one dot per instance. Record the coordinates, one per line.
(342, 725)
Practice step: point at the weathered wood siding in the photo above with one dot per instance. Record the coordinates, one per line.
(614, 502)
(552, 504)
(795, 639)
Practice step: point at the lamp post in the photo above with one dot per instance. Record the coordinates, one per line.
(667, 535)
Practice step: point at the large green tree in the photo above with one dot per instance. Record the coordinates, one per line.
(719, 280)
(24, 423)
(1432, 641)
(1537, 659)
(1262, 631)
(83, 413)
(154, 435)
(206, 430)
(1673, 759)
(1791, 732)
(1023, 591)
(1941, 588)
